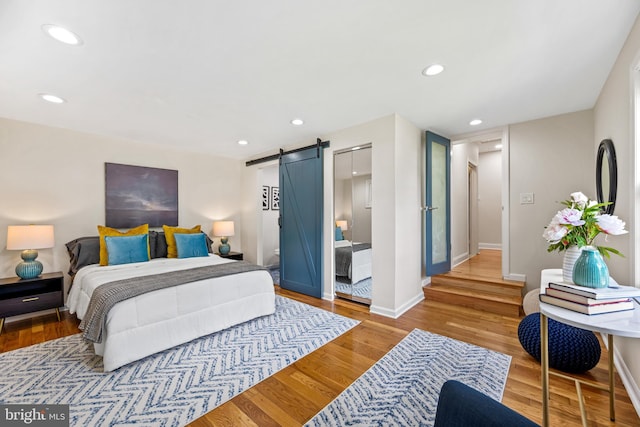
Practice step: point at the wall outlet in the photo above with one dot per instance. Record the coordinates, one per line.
(526, 198)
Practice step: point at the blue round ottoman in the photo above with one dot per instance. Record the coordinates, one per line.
(570, 349)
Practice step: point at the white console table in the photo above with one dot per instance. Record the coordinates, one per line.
(623, 324)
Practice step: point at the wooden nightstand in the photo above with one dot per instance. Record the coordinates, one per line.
(20, 296)
(238, 256)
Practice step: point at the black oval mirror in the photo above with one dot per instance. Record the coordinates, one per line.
(607, 175)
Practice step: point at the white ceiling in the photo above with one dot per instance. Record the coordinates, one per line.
(202, 74)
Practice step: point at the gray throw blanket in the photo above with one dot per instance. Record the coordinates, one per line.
(343, 257)
(105, 296)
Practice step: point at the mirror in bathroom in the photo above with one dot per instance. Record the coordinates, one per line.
(352, 215)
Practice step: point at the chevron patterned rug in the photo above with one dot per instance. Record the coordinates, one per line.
(170, 388)
(402, 388)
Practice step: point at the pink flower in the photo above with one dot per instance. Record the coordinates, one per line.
(569, 216)
(555, 232)
(611, 224)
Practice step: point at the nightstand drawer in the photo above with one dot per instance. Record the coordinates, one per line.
(30, 303)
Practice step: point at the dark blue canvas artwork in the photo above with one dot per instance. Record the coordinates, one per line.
(140, 195)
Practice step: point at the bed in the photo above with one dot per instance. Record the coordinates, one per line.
(353, 260)
(161, 319)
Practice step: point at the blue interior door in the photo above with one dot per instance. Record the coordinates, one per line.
(438, 208)
(301, 215)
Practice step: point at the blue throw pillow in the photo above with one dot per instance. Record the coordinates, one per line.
(127, 249)
(191, 245)
(339, 235)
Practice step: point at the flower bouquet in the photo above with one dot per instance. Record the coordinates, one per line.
(580, 223)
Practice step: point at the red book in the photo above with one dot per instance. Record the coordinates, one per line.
(604, 307)
(580, 298)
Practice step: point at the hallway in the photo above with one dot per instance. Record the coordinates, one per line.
(487, 265)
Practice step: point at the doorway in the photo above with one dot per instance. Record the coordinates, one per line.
(480, 195)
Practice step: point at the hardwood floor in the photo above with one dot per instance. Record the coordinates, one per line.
(293, 395)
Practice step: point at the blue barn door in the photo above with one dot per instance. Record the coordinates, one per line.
(301, 215)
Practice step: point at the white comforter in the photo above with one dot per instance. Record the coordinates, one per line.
(158, 320)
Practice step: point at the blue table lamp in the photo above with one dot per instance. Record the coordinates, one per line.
(223, 229)
(28, 238)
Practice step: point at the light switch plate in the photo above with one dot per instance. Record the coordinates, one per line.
(526, 198)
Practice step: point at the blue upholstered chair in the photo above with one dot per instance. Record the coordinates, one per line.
(461, 406)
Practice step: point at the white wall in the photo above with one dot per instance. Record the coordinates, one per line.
(408, 196)
(56, 176)
(552, 158)
(270, 229)
(490, 199)
(613, 118)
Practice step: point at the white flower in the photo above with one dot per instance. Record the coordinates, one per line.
(611, 224)
(555, 232)
(579, 199)
(569, 217)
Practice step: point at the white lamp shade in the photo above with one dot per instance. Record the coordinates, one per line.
(20, 237)
(342, 224)
(223, 228)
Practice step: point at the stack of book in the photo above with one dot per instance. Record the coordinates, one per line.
(590, 300)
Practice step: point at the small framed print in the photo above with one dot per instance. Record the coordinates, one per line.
(265, 197)
(275, 198)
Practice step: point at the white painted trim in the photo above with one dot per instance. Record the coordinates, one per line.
(460, 259)
(328, 296)
(491, 246)
(426, 281)
(506, 269)
(517, 277)
(634, 76)
(394, 314)
(625, 375)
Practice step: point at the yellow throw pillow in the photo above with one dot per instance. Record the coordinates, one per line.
(172, 250)
(108, 231)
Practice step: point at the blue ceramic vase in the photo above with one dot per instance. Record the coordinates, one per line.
(590, 269)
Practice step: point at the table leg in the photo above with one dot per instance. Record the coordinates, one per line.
(612, 393)
(544, 363)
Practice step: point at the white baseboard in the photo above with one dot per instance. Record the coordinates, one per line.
(625, 375)
(459, 259)
(514, 276)
(426, 281)
(328, 296)
(382, 311)
(494, 246)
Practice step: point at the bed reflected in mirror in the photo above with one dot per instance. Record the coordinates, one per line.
(352, 215)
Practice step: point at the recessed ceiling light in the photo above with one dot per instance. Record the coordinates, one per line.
(51, 98)
(297, 122)
(62, 34)
(243, 142)
(475, 122)
(433, 70)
